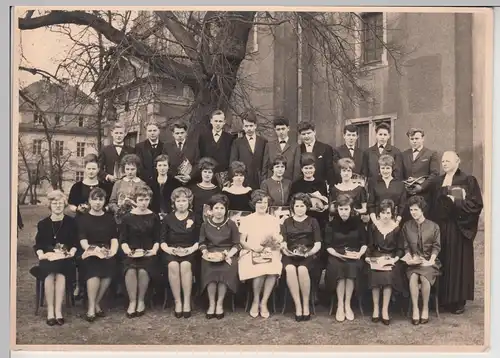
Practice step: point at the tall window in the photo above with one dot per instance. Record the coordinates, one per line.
(57, 118)
(80, 149)
(78, 176)
(37, 118)
(366, 129)
(37, 146)
(34, 177)
(59, 147)
(130, 139)
(80, 121)
(372, 36)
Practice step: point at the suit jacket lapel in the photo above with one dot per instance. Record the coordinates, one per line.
(285, 148)
(419, 154)
(245, 139)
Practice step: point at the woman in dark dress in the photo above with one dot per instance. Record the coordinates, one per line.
(140, 241)
(179, 243)
(422, 243)
(301, 244)
(385, 248)
(346, 245)
(162, 186)
(98, 236)
(278, 187)
(203, 191)
(386, 187)
(239, 195)
(55, 233)
(219, 244)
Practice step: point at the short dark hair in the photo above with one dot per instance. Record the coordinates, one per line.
(413, 131)
(161, 158)
(382, 125)
(307, 159)
(305, 126)
(179, 125)
(130, 159)
(258, 195)
(97, 193)
(237, 167)
(300, 197)
(217, 112)
(351, 128)
(249, 116)
(218, 199)
(89, 158)
(343, 200)
(280, 159)
(281, 121)
(418, 201)
(387, 204)
(206, 163)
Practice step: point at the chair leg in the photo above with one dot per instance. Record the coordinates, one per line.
(284, 300)
(332, 301)
(360, 305)
(312, 300)
(233, 305)
(247, 302)
(273, 294)
(37, 295)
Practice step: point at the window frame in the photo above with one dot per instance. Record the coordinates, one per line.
(81, 120)
(37, 143)
(80, 146)
(372, 121)
(359, 36)
(59, 147)
(77, 172)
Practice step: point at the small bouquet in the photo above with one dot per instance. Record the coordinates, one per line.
(83, 208)
(59, 252)
(383, 263)
(222, 179)
(180, 251)
(300, 250)
(124, 207)
(272, 242)
(184, 171)
(319, 202)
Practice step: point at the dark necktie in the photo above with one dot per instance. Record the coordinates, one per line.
(179, 145)
(416, 150)
(282, 142)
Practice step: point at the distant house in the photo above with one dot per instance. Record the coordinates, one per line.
(67, 116)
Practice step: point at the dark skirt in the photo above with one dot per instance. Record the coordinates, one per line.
(96, 267)
(338, 269)
(312, 263)
(393, 278)
(429, 272)
(191, 258)
(220, 272)
(65, 267)
(150, 264)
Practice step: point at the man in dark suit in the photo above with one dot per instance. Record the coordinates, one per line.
(110, 156)
(370, 168)
(348, 150)
(419, 161)
(148, 150)
(216, 144)
(323, 153)
(181, 150)
(286, 147)
(252, 150)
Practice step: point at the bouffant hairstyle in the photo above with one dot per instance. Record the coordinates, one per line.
(218, 199)
(281, 121)
(235, 168)
(346, 163)
(97, 193)
(143, 191)
(180, 192)
(89, 158)
(206, 163)
(343, 200)
(386, 160)
(418, 201)
(387, 204)
(130, 159)
(300, 197)
(259, 195)
(280, 159)
(305, 126)
(383, 126)
(307, 159)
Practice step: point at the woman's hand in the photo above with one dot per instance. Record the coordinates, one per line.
(287, 252)
(367, 260)
(42, 256)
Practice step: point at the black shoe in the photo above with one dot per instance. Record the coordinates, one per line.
(210, 315)
(375, 319)
(386, 321)
(60, 321)
(51, 321)
(424, 320)
(415, 322)
(306, 317)
(131, 315)
(219, 315)
(140, 313)
(299, 318)
(89, 318)
(178, 314)
(100, 314)
(186, 314)
(458, 310)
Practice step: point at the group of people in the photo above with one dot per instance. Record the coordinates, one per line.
(379, 219)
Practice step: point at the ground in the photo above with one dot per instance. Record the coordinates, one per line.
(160, 327)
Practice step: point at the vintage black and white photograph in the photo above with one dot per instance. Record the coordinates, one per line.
(252, 176)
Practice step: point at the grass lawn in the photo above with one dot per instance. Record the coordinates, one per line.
(160, 327)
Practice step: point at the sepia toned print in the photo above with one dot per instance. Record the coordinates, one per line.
(252, 177)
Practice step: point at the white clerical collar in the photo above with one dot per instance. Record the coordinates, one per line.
(135, 180)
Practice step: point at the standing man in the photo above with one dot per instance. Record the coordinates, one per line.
(148, 150)
(181, 152)
(286, 147)
(419, 161)
(456, 208)
(110, 156)
(323, 153)
(370, 168)
(348, 150)
(251, 150)
(216, 144)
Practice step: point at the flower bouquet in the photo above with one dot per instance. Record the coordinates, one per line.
(383, 263)
(300, 250)
(180, 251)
(84, 208)
(184, 171)
(272, 242)
(124, 207)
(59, 252)
(95, 251)
(319, 202)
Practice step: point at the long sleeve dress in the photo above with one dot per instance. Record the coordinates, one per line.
(179, 233)
(98, 231)
(218, 237)
(344, 235)
(422, 240)
(141, 232)
(257, 228)
(49, 235)
(79, 193)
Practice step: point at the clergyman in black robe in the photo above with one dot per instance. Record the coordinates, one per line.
(457, 205)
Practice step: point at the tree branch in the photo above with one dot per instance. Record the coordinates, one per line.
(180, 33)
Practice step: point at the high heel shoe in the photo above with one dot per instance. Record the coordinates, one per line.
(210, 315)
(299, 318)
(178, 314)
(386, 321)
(424, 320)
(60, 321)
(306, 317)
(415, 322)
(219, 315)
(131, 315)
(186, 314)
(51, 321)
(375, 319)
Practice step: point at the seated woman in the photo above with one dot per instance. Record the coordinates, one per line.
(203, 191)
(98, 236)
(55, 233)
(386, 187)
(422, 245)
(346, 245)
(239, 196)
(140, 241)
(121, 198)
(260, 233)
(277, 187)
(162, 186)
(301, 243)
(179, 243)
(219, 243)
(348, 186)
(385, 248)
